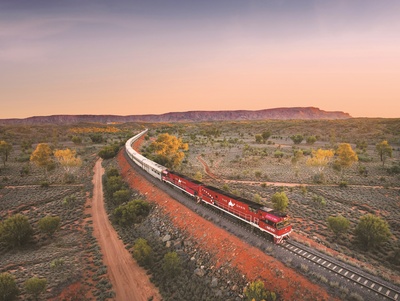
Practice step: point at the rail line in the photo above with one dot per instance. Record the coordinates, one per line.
(358, 277)
(361, 278)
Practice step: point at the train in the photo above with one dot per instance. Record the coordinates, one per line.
(265, 219)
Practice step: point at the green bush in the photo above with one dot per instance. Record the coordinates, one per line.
(8, 287)
(172, 264)
(49, 224)
(15, 231)
(35, 286)
(131, 213)
(142, 251)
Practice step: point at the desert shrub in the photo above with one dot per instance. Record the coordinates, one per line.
(319, 200)
(172, 264)
(362, 170)
(338, 224)
(278, 154)
(319, 178)
(364, 158)
(76, 140)
(311, 139)
(49, 224)
(69, 178)
(372, 231)
(109, 151)
(35, 286)
(280, 201)
(15, 231)
(112, 172)
(121, 196)
(131, 213)
(113, 184)
(343, 184)
(57, 264)
(23, 158)
(257, 292)
(44, 184)
(394, 170)
(297, 139)
(8, 287)
(24, 171)
(142, 251)
(96, 138)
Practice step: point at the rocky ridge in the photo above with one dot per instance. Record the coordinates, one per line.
(190, 116)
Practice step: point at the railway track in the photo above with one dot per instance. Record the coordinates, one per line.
(351, 274)
(369, 283)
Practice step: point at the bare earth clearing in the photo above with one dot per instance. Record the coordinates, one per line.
(129, 281)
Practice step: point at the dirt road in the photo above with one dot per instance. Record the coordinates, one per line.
(130, 282)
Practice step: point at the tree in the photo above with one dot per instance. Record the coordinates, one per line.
(142, 251)
(109, 151)
(76, 140)
(168, 150)
(372, 231)
(280, 201)
(338, 224)
(113, 184)
(266, 135)
(384, 150)
(320, 158)
(311, 139)
(49, 224)
(131, 213)
(96, 138)
(15, 231)
(5, 150)
(297, 139)
(259, 138)
(121, 196)
(198, 176)
(346, 155)
(35, 286)
(67, 158)
(8, 287)
(257, 292)
(41, 156)
(172, 264)
(297, 155)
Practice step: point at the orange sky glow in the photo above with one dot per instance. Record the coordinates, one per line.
(146, 59)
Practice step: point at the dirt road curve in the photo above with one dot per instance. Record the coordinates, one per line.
(130, 282)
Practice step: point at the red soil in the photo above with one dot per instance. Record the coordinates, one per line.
(226, 248)
(129, 280)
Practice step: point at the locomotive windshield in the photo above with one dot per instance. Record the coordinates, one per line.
(283, 224)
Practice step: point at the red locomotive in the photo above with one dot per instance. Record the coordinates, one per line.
(255, 214)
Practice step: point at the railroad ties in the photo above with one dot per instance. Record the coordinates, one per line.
(390, 293)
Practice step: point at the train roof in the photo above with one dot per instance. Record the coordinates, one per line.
(185, 177)
(252, 204)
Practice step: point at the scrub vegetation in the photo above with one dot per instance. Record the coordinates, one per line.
(341, 179)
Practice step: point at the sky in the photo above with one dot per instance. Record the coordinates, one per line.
(129, 57)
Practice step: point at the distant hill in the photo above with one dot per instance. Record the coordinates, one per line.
(191, 116)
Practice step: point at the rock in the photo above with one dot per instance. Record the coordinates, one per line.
(166, 238)
(168, 244)
(177, 244)
(199, 272)
(214, 282)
